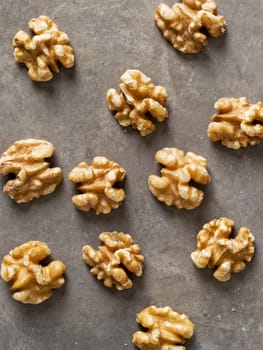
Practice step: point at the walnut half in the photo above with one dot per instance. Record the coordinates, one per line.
(96, 182)
(216, 250)
(41, 53)
(167, 329)
(117, 255)
(32, 282)
(138, 98)
(183, 24)
(238, 123)
(34, 177)
(173, 187)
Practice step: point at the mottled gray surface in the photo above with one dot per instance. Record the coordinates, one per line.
(70, 111)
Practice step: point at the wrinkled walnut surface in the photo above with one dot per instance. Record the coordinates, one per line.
(32, 282)
(138, 98)
(173, 187)
(34, 177)
(96, 181)
(114, 258)
(216, 250)
(167, 329)
(183, 24)
(42, 53)
(238, 123)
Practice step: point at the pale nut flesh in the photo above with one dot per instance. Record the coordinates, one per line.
(238, 123)
(33, 175)
(96, 182)
(174, 187)
(164, 329)
(183, 24)
(223, 254)
(44, 50)
(31, 282)
(138, 103)
(117, 256)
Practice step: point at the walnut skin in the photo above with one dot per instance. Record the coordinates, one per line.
(173, 187)
(32, 282)
(183, 24)
(41, 53)
(34, 177)
(167, 329)
(117, 254)
(217, 251)
(137, 98)
(238, 123)
(96, 182)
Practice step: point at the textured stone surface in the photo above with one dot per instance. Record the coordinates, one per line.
(71, 112)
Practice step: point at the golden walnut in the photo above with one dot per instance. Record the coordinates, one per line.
(117, 255)
(216, 250)
(175, 187)
(96, 181)
(167, 329)
(184, 23)
(238, 123)
(138, 98)
(42, 53)
(32, 282)
(34, 177)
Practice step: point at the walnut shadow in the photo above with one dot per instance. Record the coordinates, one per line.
(237, 279)
(220, 40)
(65, 76)
(243, 152)
(30, 311)
(26, 207)
(131, 294)
(196, 215)
(107, 221)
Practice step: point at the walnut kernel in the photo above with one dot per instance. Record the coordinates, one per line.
(96, 182)
(34, 177)
(167, 329)
(216, 250)
(41, 53)
(183, 24)
(137, 98)
(173, 187)
(110, 262)
(32, 282)
(238, 123)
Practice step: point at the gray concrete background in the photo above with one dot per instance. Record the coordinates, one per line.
(70, 111)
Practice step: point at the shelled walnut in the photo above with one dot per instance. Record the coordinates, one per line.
(32, 282)
(96, 182)
(216, 250)
(34, 177)
(238, 123)
(174, 186)
(41, 53)
(138, 98)
(114, 258)
(167, 329)
(183, 24)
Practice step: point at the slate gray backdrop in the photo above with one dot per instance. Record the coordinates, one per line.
(70, 111)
